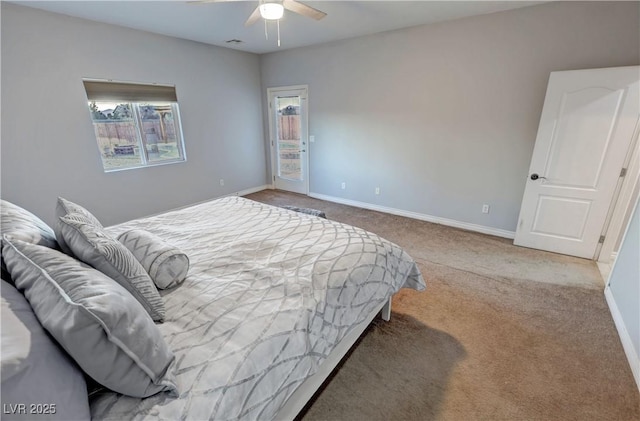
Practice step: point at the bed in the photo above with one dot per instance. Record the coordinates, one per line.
(272, 301)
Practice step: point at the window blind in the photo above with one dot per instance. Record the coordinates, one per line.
(99, 90)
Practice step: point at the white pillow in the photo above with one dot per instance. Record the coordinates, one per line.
(166, 265)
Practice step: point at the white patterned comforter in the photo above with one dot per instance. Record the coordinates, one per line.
(270, 292)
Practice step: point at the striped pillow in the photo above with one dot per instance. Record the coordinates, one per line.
(164, 263)
(65, 207)
(94, 246)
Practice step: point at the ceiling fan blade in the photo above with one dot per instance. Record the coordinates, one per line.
(303, 9)
(254, 17)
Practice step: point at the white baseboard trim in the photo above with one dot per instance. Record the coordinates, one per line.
(421, 216)
(627, 344)
(605, 271)
(249, 191)
(238, 193)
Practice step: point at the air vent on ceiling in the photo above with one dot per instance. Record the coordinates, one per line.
(233, 41)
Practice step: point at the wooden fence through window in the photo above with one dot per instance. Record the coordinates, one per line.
(289, 127)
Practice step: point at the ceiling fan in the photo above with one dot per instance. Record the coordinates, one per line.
(273, 10)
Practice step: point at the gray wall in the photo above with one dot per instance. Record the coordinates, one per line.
(624, 282)
(443, 117)
(48, 144)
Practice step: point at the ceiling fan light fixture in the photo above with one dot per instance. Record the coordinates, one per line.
(271, 11)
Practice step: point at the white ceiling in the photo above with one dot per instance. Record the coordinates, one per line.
(215, 23)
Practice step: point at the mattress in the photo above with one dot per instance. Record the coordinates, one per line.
(269, 294)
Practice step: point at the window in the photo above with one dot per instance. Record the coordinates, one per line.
(135, 125)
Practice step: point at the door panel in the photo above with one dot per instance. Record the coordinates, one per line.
(585, 125)
(561, 217)
(288, 117)
(586, 129)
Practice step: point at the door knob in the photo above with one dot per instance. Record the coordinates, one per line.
(535, 176)
(302, 150)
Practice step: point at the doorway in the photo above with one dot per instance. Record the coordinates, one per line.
(580, 159)
(288, 133)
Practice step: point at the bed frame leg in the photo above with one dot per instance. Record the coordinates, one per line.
(386, 311)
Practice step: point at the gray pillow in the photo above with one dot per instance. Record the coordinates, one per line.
(65, 207)
(33, 365)
(94, 246)
(100, 325)
(21, 224)
(166, 265)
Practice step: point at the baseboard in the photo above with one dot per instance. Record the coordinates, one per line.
(421, 216)
(605, 271)
(249, 191)
(627, 344)
(238, 193)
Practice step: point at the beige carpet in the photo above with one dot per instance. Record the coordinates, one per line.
(501, 333)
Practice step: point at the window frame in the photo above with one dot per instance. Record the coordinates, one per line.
(137, 120)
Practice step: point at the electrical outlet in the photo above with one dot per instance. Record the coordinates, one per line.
(222, 182)
(377, 190)
(485, 208)
(344, 185)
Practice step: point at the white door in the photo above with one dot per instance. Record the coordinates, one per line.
(585, 132)
(288, 128)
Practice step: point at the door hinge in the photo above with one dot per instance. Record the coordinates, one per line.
(274, 178)
(601, 240)
(623, 172)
